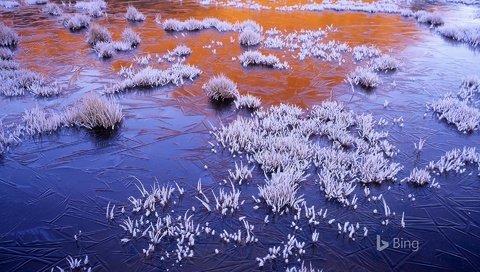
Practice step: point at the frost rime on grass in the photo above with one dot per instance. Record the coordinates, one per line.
(365, 77)
(347, 5)
(53, 9)
(456, 160)
(280, 191)
(94, 8)
(221, 88)
(248, 102)
(16, 81)
(76, 22)
(465, 117)
(134, 15)
(150, 77)
(97, 34)
(8, 37)
(208, 23)
(365, 51)
(257, 58)
(279, 140)
(91, 112)
(9, 4)
(250, 37)
(468, 34)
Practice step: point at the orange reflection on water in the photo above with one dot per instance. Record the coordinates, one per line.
(57, 51)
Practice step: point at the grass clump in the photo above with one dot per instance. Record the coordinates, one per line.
(419, 177)
(98, 34)
(248, 102)
(76, 22)
(457, 112)
(432, 19)
(280, 191)
(468, 34)
(257, 58)
(364, 77)
(385, 63)
(36, 2)
(17, 82)
(8, 37)
(221, 88)
(150, 77)
(134, 15)
(131, 37)
(93, 8)
(365, 51)
(53, 9)
(8, 65)
(95, 112)
(104, 50)
(6, 54)
(9, 4)
(250, 37)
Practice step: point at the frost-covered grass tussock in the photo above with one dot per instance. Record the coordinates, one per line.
(97, 34)
(53, 9)
(248, 101)
(94, 8)
(39, 121)
(95, 112)
(181, 50)
(76, 22)
(101, 41)
(280, 190)
(9, 4)
(249, 37)
(36, 2)
(329, 51)
(365, 77)
(6, 54)
(134, 15)
(131, 37)
(385, 63)
(178, 54)
(17, 82)
(432, 19)
(456, 160)
(465, 117)
(104, 50)
(8, 37)
(242, 173)
(7, 139)
(460, 108)
(308, 43)
(150, 77)
(208, 23)
(221, 88)
(469, 89)
(362, 52)
(91, 112)
(257, 58)
(468, 34)
(347, 5)
(8, 65)
(466, 2)
(419, 176)
(86, 5)
(280, 140)
(251, 5)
